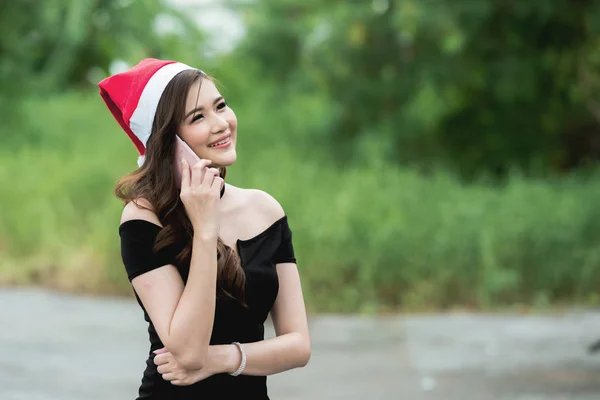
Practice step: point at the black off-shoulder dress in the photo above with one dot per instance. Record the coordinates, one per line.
(232, 322)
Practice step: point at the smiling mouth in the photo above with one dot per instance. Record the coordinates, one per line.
(221, 143)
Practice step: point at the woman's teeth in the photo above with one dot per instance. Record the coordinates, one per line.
(219, 143)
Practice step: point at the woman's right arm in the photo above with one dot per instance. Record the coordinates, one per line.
(183, 315)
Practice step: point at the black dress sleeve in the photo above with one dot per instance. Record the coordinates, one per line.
(137, 241)
(285, 250)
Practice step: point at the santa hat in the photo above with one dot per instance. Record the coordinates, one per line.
(132, 97)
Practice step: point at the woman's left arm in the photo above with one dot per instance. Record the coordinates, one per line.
(291, 346)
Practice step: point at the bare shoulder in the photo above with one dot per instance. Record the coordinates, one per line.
(265, 205)
(139, 209)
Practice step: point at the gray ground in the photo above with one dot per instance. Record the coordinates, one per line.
(64, 347)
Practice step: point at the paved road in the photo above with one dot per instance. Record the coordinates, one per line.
(63, 347)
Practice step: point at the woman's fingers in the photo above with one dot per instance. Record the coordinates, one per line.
(198, 172)
(200, 175)
(163, 368)
(161, 359)
(209, 177)
(185, 174)
(168, 376)
(218, 183)
(161, 350)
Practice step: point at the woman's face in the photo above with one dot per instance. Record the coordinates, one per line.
(209, 126)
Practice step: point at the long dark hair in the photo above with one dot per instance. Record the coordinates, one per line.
(155, 182)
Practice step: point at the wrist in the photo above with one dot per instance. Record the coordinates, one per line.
(243, 360)
(234, 358)
(205, 238)
(227, 358)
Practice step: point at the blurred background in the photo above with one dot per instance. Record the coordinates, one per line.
(432, 155)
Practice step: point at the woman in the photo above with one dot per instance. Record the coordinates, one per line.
(207, 261)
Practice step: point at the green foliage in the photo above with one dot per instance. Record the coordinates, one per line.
(56, 45)
(367, 239)
(475, 86)
(361, 118)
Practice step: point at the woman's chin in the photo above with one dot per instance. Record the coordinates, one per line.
(225, 159)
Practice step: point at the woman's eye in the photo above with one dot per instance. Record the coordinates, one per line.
(197, 117)
(221, 105)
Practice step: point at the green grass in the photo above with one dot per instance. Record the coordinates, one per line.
(368, 239)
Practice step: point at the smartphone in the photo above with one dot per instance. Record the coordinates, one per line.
(182, 150)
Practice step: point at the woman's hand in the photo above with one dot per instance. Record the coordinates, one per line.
(200, 194)
(171, 371)
(219, 359)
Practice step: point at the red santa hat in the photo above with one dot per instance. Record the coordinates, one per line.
(132, 97)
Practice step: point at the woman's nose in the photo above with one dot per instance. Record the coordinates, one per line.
(219, 124)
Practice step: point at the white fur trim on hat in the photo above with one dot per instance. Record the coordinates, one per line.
(142, 118)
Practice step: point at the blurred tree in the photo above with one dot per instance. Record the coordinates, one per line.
(58, 44)
(16, 55)
(62, 40)
(474, 85)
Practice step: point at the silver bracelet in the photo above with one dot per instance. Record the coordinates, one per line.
(243, 363)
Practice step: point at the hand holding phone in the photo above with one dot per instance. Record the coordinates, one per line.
(185, 152)
(201, 189)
